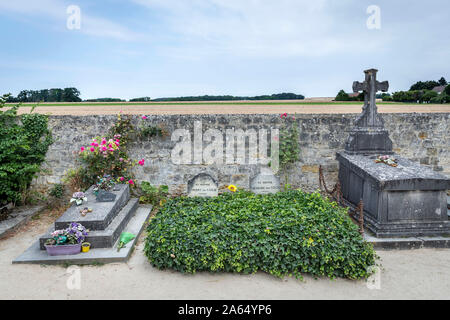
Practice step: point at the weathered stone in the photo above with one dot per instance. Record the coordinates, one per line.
(66, 130)
(202, 185)
(265, 183)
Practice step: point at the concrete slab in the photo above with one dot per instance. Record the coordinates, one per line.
(34, 255)
(18, 217)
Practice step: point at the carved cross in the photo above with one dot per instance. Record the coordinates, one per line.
(370, 87)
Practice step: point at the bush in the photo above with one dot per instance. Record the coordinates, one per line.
(288, 233)
(57, 191)
(24, 142)
(105, 155)
(153, 195)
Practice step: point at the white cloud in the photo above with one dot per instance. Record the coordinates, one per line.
(261, 28)
(55, 10)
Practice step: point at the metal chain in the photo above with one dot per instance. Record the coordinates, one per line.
(336, 193)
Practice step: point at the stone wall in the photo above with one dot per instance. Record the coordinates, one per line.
(424, 138)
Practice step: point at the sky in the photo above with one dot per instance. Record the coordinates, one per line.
(169, 48)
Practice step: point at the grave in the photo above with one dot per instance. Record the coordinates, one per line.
(405, 201)
(264, 183)
(105, 223)
(202, 185)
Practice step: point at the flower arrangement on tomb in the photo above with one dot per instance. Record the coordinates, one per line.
(104, 183)
(75, 233)
(79, 198)
(391, 161)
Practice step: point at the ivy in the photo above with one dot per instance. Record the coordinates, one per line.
(289, 146)
(287, 233)
(24, 142)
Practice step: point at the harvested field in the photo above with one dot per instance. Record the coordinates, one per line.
(230, 108)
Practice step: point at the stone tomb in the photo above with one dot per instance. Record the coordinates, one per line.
(404, 201)
(265, 183)
(203, 185)
(105, 223)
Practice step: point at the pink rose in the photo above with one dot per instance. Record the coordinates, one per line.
(92, 149)
(82, 149)
(122, 178)
(144, 117)
(130, 182)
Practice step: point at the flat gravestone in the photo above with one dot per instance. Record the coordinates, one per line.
(203, 185)
(265, 183)
(105, 196)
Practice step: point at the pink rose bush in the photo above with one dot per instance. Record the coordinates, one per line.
(107, 157)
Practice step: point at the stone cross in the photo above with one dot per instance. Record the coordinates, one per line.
(370, 117)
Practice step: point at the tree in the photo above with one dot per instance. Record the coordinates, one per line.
(427, 85)
(442, 82)
(447, 90)
(428, 96)
(71, 95)
(342, 96)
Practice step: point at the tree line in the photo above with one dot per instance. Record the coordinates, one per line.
(73, 95)
(278, 96)
(47, 95)
(420, 92)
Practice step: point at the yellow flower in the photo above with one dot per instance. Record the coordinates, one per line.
(232, 188)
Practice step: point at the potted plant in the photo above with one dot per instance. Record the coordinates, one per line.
(67, 241)
(79, 198)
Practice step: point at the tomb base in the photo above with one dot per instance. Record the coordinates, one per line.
(409, 200)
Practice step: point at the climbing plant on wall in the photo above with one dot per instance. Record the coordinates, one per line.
(24, 141)
(289, 145)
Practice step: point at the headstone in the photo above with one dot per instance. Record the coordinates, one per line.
(265, 183)
(369, 134)
(404, 201)
(105, 196)
(203, 185)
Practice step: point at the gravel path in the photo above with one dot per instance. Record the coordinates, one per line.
(415, 274)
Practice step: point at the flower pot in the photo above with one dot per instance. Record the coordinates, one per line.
(63, 250)
(85, 247)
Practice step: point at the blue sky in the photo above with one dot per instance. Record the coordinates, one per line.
(165, 48)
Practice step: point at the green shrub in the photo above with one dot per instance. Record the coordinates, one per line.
(153, 195)
(57, 191)
(288, 233)
(24, 141)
